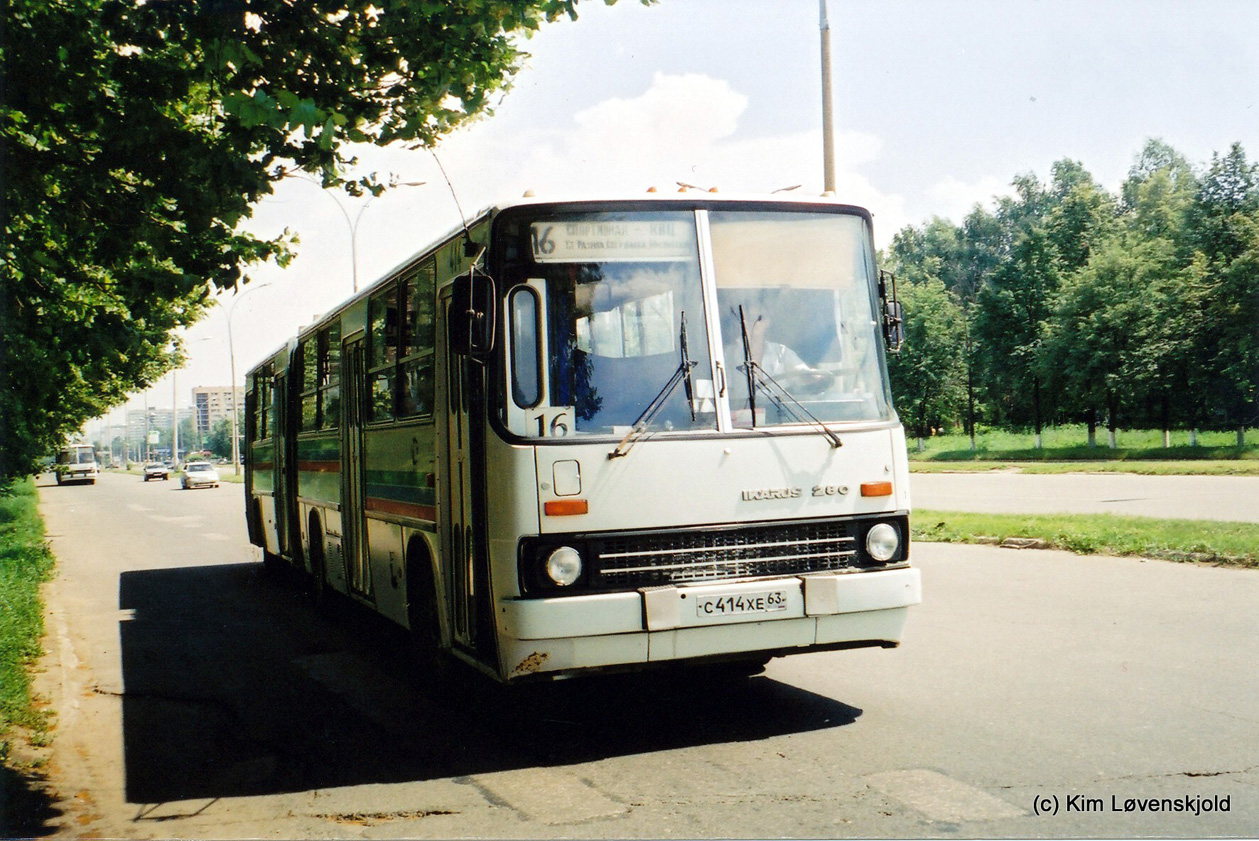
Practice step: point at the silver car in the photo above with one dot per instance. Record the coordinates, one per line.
(200, 474)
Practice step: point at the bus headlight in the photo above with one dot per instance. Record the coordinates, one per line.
(882, 541)
(564, 566)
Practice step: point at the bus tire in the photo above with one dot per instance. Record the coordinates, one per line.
(272, 565)
(318, 565)
(422, 613)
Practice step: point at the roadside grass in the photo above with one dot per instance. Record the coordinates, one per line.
(1070, 444)
(25, 562)
(1198, 541)
(1203, 467)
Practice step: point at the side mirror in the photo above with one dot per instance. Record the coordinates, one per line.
(472, 311)
(893, 312)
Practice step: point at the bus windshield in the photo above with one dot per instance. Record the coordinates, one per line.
(620, 302)
(608, 326)
(797, 299)
(76, 455)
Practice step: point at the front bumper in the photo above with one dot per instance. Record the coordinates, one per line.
(660, 624)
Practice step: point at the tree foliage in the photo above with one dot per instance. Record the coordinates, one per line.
(1081, 305)
(929, 374)
(138, 135)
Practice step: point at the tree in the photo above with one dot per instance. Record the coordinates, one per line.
(140, 137)
(1076, 303)
(1012, 308)
(1105, 343)
(1081, 215)
(1224, 229)
(1159, 192)
(219, 441)
(929, 374)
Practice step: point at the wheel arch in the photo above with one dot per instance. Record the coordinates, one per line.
(423, 580)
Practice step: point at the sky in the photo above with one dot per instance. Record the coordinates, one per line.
(939, 105)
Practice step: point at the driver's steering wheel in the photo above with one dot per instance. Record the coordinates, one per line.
(805, 381)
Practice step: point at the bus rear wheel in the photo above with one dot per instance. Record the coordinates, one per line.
(318, 566)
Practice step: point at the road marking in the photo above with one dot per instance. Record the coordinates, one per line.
(942, 798)
(549, 795)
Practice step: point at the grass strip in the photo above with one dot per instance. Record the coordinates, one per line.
(1146, 468)
(25, 562)
(1069, 442)
(1196, 541)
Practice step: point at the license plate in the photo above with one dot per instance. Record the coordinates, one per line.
(742, 604)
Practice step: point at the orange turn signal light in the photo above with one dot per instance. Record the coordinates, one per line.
(876, 488)
(565, 507)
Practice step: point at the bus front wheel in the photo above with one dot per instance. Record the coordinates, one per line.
(422, 615)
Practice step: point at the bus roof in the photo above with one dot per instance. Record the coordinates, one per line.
(683, 198)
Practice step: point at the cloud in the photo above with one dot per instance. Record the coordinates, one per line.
(679, 118)
(953, 199)
(681, 128)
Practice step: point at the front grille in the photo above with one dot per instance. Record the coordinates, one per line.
(649, 559)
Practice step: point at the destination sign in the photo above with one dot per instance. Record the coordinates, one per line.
(590, 242)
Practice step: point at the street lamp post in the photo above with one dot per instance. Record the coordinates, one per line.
(352, 224)
(828, 114)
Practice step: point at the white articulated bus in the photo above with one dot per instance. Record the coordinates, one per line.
(595, 435)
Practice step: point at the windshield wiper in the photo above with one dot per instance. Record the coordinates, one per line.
(782, 398)
(685, 366)
(749, 367)
(681, 374)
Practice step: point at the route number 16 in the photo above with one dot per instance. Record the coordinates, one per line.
(543, 244)
(552, 423)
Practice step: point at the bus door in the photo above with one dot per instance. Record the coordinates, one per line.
(280, 437)
(354, 546)
(456, 481)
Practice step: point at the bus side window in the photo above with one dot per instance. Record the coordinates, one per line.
(309, 360)
(382, 353)
(416, 367)
(251, 411)
(263, 379)
(330, 376)
(526, 349)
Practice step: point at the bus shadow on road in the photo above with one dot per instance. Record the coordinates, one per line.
(235, 686)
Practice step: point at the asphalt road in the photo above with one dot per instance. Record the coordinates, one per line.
(1036, 694)
(1231, 498)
